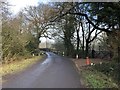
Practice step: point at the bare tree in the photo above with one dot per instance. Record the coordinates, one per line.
(39, 19)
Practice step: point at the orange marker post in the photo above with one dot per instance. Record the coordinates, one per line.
(87, 61)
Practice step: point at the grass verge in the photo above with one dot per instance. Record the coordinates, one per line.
(18, 66)
(98, 75)
(95, 79)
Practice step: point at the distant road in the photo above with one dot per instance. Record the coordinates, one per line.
(54, 72)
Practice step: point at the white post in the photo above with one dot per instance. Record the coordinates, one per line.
(33, 54)
(63, 53)
(77, 56)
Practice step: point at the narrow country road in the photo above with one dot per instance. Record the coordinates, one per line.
(54, 72)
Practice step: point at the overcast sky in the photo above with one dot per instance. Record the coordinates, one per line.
(17, 5)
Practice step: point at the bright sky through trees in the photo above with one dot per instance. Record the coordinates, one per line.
(17, 5)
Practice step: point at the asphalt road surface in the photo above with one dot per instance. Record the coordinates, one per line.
(54, 72)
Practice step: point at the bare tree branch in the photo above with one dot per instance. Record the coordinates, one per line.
(89, 21)
(96, 34)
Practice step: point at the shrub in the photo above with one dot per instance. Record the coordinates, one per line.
(109, 69)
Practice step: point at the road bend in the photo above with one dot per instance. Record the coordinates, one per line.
(54, 72)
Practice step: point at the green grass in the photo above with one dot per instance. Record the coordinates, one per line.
(94, 79)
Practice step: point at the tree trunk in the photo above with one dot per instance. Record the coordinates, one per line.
(83, 47)
(118, 54)
(87, 47)
(78, 42)
(83, 35)
(69, 47)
